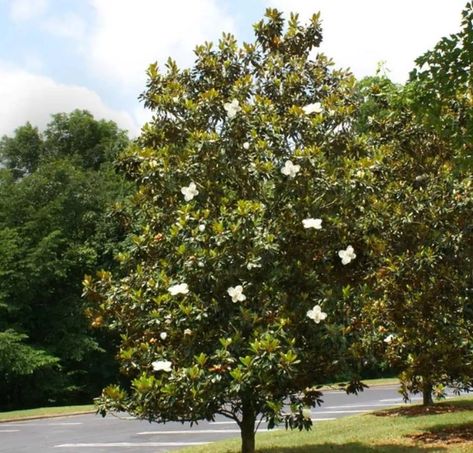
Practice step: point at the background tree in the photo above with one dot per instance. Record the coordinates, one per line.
(21, 153)
(234, 290)
(441, 89)
(54, 228)
(417, 308)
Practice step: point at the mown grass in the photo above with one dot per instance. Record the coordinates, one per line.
(368, 382)
(368, 433)
(45, 412)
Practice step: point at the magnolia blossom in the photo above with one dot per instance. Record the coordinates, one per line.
(290, 169)
(236, 293)
(246, 145)
(306, 413)
(232, 108)
(163, 335)
(189, 192)
(316, 314)
(187, 332)
(347, 255)
(162, 365)
(316, 107)
(389, 339)
(312, 223)
(180, 288)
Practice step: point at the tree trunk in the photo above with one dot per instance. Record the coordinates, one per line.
(427, 389)
(247, 427)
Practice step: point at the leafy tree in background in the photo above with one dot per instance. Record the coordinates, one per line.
(54, 227)
(418, 313)
(21, 153)
(441, 89)
(246, 244)
(76, 136)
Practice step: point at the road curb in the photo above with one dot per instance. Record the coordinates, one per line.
(39, 417)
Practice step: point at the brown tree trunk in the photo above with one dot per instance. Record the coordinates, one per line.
(427, 389)
(247, 427)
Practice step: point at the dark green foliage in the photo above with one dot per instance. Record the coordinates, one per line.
(233, 125)
(441, 89)
(54, 228)
(417, 307)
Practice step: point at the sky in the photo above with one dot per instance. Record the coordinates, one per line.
(59, 55)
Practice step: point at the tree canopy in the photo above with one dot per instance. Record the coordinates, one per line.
(53, 229)
(243, 245)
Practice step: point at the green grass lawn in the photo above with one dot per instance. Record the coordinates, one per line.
(368, 382)
(448, 428)
(45, 412)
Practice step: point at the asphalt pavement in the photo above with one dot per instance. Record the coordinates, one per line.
(93, 434)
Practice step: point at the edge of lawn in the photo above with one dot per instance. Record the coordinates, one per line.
(46, 412)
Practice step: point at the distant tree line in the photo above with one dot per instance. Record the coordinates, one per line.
(57, 192)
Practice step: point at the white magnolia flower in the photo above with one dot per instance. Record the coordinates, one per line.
(236, 293)
(316, 107)
(232, 108)
(163, 335)
(187, 332)
(290, 169)
(312, 223)
(201, 227)
(347, 255)
(180, 288)
(306, 413)
(189, 192)
(246, 145)
(389, 339)
(162, 365)
(316, 314)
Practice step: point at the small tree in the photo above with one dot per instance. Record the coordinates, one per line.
(417, 308)
(243, 236)
(231, 296)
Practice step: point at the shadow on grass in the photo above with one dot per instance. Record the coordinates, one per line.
(446, 434)
(445, 407)
(352, 447)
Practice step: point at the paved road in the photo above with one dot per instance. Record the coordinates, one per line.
(94, 434)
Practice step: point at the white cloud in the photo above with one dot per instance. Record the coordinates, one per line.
(29, 97)
(131, 35)
(359, 34)
(23, 10)
(68, 25)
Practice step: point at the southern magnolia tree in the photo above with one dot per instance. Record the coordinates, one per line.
(244, 244)
(417, 312)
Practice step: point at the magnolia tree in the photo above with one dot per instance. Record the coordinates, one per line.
(417, 312)
(244, 242)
